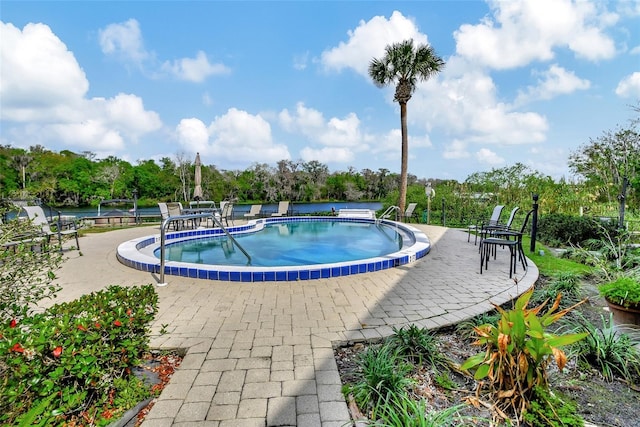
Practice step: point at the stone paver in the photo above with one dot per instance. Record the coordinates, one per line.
(261, 354)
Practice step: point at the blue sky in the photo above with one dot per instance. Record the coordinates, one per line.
(249, 82)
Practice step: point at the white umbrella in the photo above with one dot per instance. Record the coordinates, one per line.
(197, 191)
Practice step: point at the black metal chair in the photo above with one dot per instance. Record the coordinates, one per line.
(509, 238)
(477, 227)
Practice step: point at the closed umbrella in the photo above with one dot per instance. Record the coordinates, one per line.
(197, 191)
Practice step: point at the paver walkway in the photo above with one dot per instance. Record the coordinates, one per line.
(261, 354)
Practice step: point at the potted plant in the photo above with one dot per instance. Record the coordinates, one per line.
(623, 298)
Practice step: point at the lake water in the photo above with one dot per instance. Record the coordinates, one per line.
(238, 210)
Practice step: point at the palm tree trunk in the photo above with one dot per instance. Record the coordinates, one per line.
(405, 157)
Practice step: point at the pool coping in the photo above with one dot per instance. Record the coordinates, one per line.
(138, 254)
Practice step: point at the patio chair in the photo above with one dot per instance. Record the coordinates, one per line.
(175, 209)
(254, 211)
(164, 211)
(509, 238)
(37, 217)
(488, 229)
(408, 214)
(227, 213)
(494, 220)
(283, 208)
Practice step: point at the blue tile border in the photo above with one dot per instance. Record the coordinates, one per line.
(135, 254)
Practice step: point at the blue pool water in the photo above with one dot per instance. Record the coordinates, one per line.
(292, 244)
(286, 251)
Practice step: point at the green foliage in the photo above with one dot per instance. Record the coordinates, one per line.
(548, 410)
(407, 412)
(383, 378)
(79, 352)
(517, 352)
(27, 268)
(564, 229)
(606, 349)
(418, 346)
(466, 328)
(567, 284)
(624, 291)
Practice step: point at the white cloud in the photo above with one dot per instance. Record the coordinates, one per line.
(300, 61)
(43, 90)
(327, 154)
(629, 87)
(369, 40)
(335, 132)
(124, 41)
(555, 81)
(194, 69)
(235, 139)
(464, 104)
(456, 150)
(488, 157)
(41, 79)
(524, 31)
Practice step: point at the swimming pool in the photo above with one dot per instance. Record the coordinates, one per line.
(348, 246)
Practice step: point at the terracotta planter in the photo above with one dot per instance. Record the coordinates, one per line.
(623, 315)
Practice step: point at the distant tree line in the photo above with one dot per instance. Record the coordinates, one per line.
(607, 175)
(78, 179)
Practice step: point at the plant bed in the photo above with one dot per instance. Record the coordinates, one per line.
(598, 401)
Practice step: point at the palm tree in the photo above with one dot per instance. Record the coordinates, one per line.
(404, 64)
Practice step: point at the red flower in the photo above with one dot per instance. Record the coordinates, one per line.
(129, 312)
(117, 323)
(13, 323)
(57, 351)
(97, 325)
(82, 328)
(17, 348)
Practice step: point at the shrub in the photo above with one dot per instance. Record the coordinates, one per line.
(72, 356)
(566, 284)
(609, 351)
(383, 378)
(517, 352)
(624, 291)
(563, 229)
(407, 412)
(417, 346)
(27, 268)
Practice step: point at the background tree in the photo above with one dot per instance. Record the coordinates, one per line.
(405, 64)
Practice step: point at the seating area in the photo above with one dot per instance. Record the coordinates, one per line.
(500, 236)
(477, 226)
(63, 227)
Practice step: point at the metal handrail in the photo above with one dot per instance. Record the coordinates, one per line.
(163, 233)
(387, 213)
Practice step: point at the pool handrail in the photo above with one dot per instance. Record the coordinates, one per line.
(163, 234)
(387, 213)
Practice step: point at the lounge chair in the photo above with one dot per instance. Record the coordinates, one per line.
(408, 214)
(509, 238)
(283, 208)
(254, 211)
(175, 209)
(227, 213)
(477, 227)
(37, 217)
(164, 211)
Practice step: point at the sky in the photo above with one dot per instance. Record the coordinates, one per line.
(246, 82)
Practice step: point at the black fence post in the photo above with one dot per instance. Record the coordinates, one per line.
(534, 223)
(444, 216)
